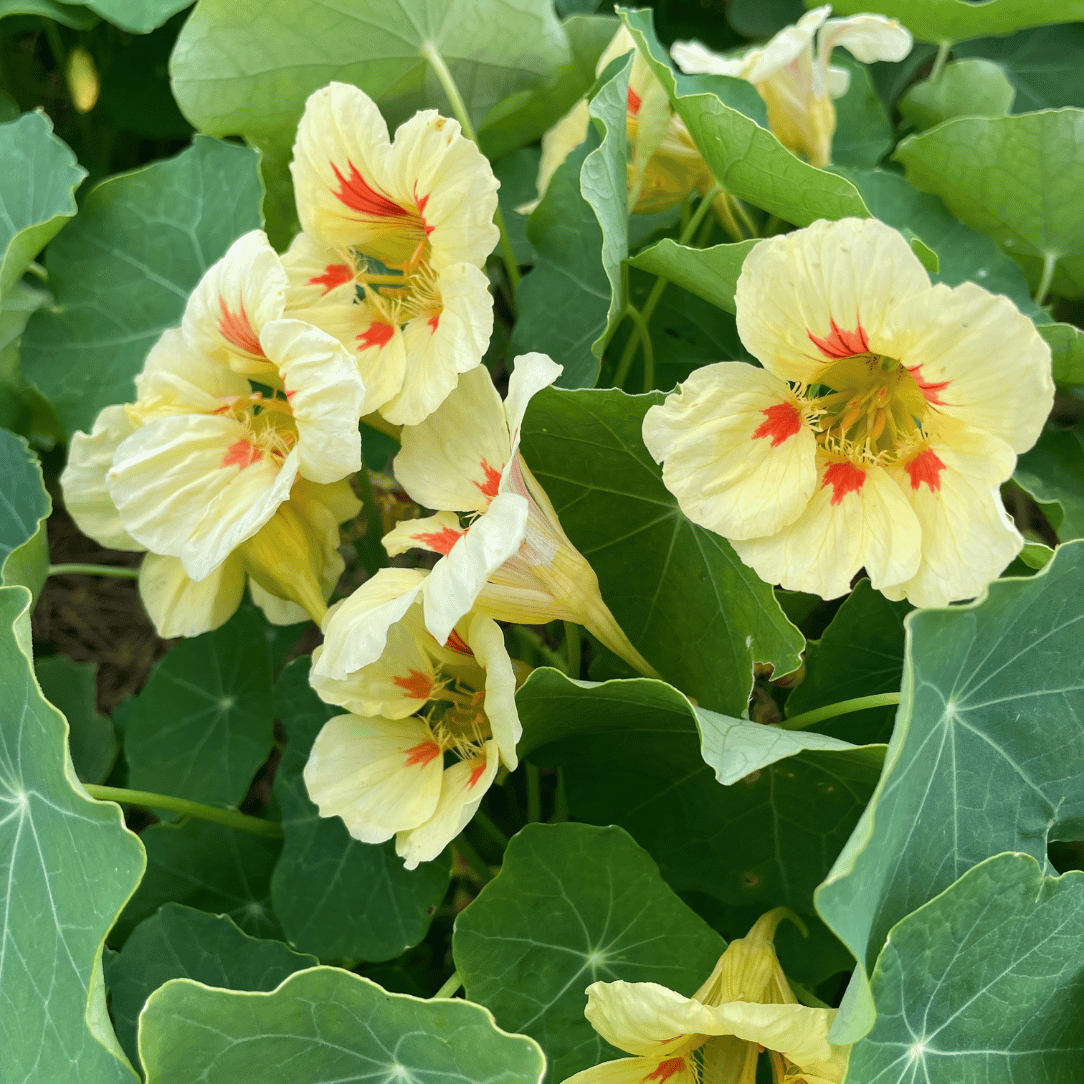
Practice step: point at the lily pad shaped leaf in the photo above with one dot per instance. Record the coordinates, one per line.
(743, 156)
(985, 757)
(574, 904)
(122, 272)
(38, 178)
(67, 865)
(326, 1024)
(1066, 344)
(24, 508)
(984, 982)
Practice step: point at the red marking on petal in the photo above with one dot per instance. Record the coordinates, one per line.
(291, 394)
(335, 274)
(931, 391)
(634, 102)
(376, 334)
(422, 753)
(421, 210)
(358, 196)
(457, 643)
(237, 329)
(433, 321)
(439, 541)
(492, 483)
(666, 1069)
(925, 467)
(416, 685)
(844, 478)
(242, 453)
(783, 420)
(841, 344)
(476, 774)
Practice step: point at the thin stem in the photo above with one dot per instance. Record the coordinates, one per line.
(56, 47)
(572, 648)
(939, 61)
(450, 987)
(649, 351)
(490, 829)
(534, 793)
(369, 546)
(94, 570)
(844, 707)
(702, 209)
(560, 800)
(1049, 260)
(532, 640)
(226, 817)
(473, 859)
(459, 108)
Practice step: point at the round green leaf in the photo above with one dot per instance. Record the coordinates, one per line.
(1053, 473)
(1066, 344)
(972, 87)
(710, 273)
(72, 687)
(24, 507)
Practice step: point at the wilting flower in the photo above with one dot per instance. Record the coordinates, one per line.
(218, 480)
(714, 1037)
(395, 235)
(664, 164)
(792, 73)
(887, 414)
(430, 724)
(511, 559)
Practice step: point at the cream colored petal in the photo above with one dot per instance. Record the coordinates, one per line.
(530, 374)
(457, 579)
(798, 1032)
(484, 637)
(788, 45)
(838, 282)
(557, 144)
(438, 348)
(694, 58)
(86, 496)
(462, 788)
(181, 490)
(179, 377)
(867, 38)
(871, 525)
(437, 534)
(278, 611)
(356, 629)
(641, 1071)
(645, 1018)
(238, 295)
(326, 396)
(453, 459)
(180, 606)
(339, 499)
(839, 82)
(978, 359)
(736, 450)
(318, 274)
(380, 775)
(730, 1060)
(446, 173)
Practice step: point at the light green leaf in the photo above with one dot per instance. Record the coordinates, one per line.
(575, 904)
(210, 867)
(202, 724)
(16, 308)
(67, 864)
(78, 18)
(337, 897)
(993, 699)
(863, 134)
(71, 687)
(177, 942)
(122, 272)
(983, 983)
(326, 1024)
(697, 614)
(1018, 179)
(956, 20)
(710, 273)
(744, 157)
(24, 507)
(136, 16)
(926, 255)
(973, 87)
(1066, 344)
(1053, 473)
(38, 178)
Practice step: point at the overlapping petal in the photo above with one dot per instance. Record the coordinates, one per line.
(181, 606)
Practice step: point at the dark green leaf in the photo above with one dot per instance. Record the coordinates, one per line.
(1053, 473)
(517, 173)
(24, 506)
(78, 18)
(973, 87)
(763, 18)
(1066, 344)
(710, 273)
(863, 133)
(71, 687)
(136, 16)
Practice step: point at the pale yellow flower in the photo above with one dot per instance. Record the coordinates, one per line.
(793, 76)
(885, 417)
(395, 236)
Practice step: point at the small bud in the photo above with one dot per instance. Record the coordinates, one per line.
(82, 78)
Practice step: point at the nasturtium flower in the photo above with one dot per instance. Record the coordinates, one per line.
(664, 164)
(429, 723)
(221, 480)
(885, 417)
(395, 236)
(714, 1037)
(792, 73)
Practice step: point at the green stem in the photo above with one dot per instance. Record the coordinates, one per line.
(145, 798)
(369, 547)
(473, 859)
(572, 648)
(449, 988)
(560, 800)
(545, 652)
(56, 47)
(95, 570)
(534, 793)
(702, 209)
(1049, 260)
(939, 61)
(844, 707)
(490, 829)
(447, 81)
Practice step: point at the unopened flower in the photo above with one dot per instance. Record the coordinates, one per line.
(430, 723)
(714, 1037)
(664, 164)
(792, 73)
(395, 236)
(885, 417)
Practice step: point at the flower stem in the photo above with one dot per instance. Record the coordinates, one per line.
(440, 70)
(844, 707)
(939, 61)
(450, 987)
(368, 546)
(572, 648)
(227, 817)
(1049, 260)
(534, 793)
(473, 859)
(530, 640)
(95, 570)
(490, 829)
